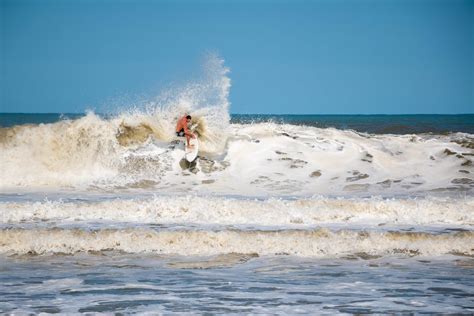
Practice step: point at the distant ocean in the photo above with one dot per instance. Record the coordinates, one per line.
(377, 124)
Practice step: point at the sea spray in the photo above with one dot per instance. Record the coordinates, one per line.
(206, 98)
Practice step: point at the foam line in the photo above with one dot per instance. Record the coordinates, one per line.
(228, 211)
(316, 243)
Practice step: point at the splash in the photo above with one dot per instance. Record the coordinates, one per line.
(206, 99)
(91, 149)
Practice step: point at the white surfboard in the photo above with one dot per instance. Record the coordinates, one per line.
(191, 153)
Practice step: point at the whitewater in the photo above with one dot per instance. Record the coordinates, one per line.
(108, 214)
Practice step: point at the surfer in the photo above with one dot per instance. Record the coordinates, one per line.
(182, 129)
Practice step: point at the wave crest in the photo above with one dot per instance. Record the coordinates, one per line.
(314, 243)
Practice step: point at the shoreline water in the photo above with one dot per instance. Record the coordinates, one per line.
(236, 283)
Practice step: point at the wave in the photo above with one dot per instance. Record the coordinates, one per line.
(193, 210)
(256, 159)
(314, 243)
(137, 150)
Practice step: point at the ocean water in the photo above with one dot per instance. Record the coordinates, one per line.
(280, 214)
(375, 124)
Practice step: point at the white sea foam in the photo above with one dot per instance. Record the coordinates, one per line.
(289, 159)
(229, 211)
(315, 243)
(259, 159)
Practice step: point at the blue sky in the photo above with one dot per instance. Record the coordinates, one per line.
(313, 57)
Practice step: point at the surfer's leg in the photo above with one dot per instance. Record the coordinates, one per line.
(187, 141)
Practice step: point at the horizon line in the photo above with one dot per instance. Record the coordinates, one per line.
(279, 114)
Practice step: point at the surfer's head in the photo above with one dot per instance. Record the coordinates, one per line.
(188, 118)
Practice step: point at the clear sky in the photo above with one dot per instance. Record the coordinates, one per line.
(301, 57)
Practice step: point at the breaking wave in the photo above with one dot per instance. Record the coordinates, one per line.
(252, 159)
(91, 149)
(193, 210)
(318, 243)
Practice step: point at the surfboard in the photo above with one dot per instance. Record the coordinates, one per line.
(191, 153)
